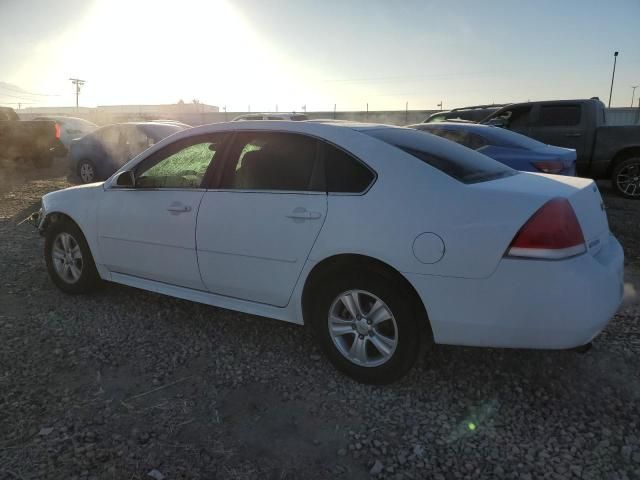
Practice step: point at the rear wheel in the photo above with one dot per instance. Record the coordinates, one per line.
(87, 171)
(366, 325)
(626, 178)
(68, 257)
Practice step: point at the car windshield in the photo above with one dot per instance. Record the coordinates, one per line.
(458, 162)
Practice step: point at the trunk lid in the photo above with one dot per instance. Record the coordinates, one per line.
(582, 193)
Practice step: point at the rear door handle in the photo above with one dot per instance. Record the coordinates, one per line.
(572, 134)
(179, 208)
(301, 213)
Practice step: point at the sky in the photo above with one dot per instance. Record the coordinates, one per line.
(287, 54)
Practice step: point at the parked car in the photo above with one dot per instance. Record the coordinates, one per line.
(69, 128)
(517, 151)
(173, 122)
(28, 142)
(472, 114)
(97, 155)
(603, 151)
(271, 116)
(379, 238)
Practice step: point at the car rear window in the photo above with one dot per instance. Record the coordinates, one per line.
(458, 162)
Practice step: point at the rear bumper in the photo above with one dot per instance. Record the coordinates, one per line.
(527, 303)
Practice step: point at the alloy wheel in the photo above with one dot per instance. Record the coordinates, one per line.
(363, 328)
(67, 257)
(628, 179)
(87, 174)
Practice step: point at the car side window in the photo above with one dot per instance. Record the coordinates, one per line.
(516, 118)
(136, 141)
(345, 174)
(109, 135)
(182, 165)
(560, 115)
(272, 161)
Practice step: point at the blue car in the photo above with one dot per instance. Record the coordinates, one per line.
(98, 155)
(511, 148)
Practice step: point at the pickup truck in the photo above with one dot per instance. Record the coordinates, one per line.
(35, 143)
(602, 151)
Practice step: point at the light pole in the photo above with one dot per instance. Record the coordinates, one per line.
(633, 94)
(613, 75)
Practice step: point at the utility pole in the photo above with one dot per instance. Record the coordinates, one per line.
(367, 117)
(633, 94)
(406, 112)
(613, 75)
(440, 105)
(334, 111)
(77, 83)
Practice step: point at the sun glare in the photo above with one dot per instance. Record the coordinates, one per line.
(162, 51)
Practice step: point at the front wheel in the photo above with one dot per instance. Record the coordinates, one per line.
(367, 326)
(626, 178)
(68, 257)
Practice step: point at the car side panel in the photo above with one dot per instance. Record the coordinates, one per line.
(80, 204)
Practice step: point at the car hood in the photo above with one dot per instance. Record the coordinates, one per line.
(70, 195)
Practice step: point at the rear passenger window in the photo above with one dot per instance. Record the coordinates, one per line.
(272, 161)
(469, 140)
(345, 174)
(560, 115)
(464, 165)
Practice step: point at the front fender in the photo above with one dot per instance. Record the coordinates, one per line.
(79, 204)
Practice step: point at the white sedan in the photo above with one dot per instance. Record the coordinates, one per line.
(380, 238)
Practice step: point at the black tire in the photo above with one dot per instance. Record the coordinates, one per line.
(625, 178)
(408, 321)
(88, 278)
(83, 176)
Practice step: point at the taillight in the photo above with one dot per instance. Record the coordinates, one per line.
(58, 131)
(552, 233)
(549, 167)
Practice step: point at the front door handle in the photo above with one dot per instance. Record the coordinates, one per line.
(301, 213)
(179, 208)
(572, 134)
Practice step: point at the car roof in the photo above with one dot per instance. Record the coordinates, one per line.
(466, 125)
(479, 107)
(310, 128)
(61, 118)
(490, 132)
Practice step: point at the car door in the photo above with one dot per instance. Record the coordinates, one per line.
(148, 230)
(562, 125)
(256, 229)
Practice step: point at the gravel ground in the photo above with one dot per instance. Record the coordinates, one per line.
(125, 384)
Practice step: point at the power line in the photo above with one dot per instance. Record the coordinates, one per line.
(15, 96)
(24, 92)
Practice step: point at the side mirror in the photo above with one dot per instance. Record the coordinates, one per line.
(126, 179)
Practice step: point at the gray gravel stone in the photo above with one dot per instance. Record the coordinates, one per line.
(131, 382)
